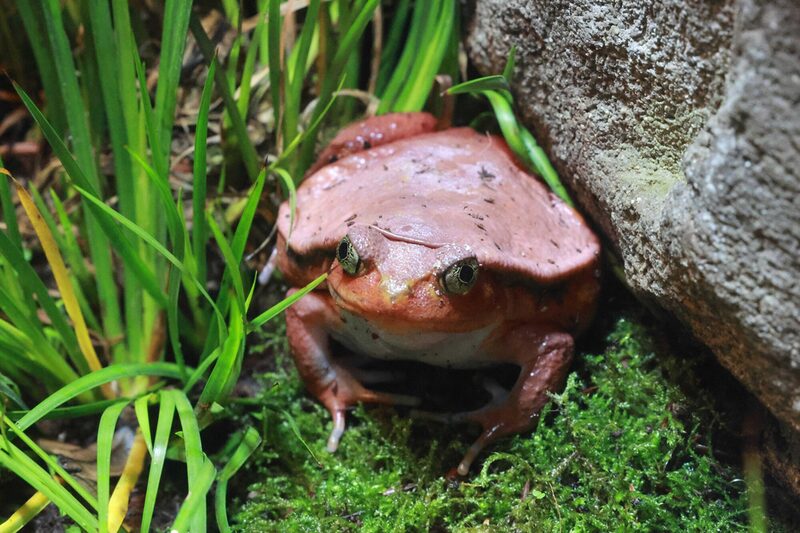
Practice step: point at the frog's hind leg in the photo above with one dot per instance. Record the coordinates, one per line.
(544, 361)
(307, 323)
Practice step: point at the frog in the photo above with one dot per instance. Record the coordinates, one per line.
(439, 247)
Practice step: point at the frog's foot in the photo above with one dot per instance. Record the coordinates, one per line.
(332, 383)
(516, 411)
(345, 391)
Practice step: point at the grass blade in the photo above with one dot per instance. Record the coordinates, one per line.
(486, 83)
(63, 283)
(197, 463)
(118, 505)
(347, 44)
(32, 19)
(226, 370)
(105, 437)
(142, 417)
(29, 510)
(250, 442)
(199, 183)
(93, 380)
(289, 184)
(274, 52)
(293, 77)
(281, 306)
(193, 507)
(231, 264)
(166, 411)
(524, 145)
(390, 50)
(173, 39)
(419, 81)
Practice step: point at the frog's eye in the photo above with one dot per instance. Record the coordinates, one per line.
(461, 276)
(347, 256)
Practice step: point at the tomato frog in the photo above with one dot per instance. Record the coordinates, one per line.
(439, 248)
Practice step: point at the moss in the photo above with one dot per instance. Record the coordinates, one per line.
(621, 447)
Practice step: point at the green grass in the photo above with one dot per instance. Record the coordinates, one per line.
(620, 448)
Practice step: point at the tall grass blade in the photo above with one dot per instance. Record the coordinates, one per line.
(29, 510)
(196, 461)
(118, 504)
(105, 437)
(281, 306)
(486, 83)
(392, 46)
(295, 72)
(173, 39)
(275, 66)
(149, 239)
(199, 183)
(193, 507)
(166, 411)
(250, 442)
(93, 380)
(32, 18)
(522, 142)
(63, 283)
(226, 370)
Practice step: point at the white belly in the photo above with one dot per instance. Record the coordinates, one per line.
(456, 350)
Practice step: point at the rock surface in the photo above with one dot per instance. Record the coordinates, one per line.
(677, 127)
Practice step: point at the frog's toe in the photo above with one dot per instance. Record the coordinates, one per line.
(486, 438)
(345, 392)
(337, 431)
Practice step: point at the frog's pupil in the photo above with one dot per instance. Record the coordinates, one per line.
(465, 274)
(342, 251)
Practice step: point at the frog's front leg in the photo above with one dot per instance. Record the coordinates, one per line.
(308, 323)
(544, 360)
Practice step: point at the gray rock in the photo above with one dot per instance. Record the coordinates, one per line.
(677, 127)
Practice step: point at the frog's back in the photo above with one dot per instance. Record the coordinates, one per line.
(452, 186)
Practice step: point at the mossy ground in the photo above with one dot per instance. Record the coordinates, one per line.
(628, 445)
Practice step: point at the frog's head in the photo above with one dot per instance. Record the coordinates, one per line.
(406, 281)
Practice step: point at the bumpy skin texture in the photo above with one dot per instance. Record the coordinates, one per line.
(412, 208)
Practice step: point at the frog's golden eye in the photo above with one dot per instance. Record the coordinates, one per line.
(347, 256)
(460, 277)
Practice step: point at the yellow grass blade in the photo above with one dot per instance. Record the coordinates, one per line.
(25, 514)
(62, 280)
(118, 504)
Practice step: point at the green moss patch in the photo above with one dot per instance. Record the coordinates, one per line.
(626, 446)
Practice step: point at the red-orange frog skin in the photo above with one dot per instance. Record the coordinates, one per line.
(439, 248)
